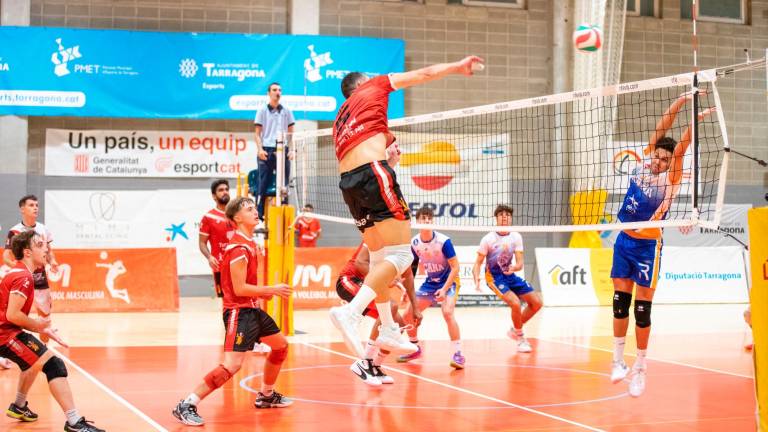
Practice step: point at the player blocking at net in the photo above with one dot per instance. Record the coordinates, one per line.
(245, 323)
(366, 155)
(637, 253)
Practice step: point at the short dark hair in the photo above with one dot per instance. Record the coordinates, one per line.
(269, 87)
(216, 183)
(666, 143)
(26, 198)
(235, 205)
(309, 206)
(503, 208)
(350, 83)
(425, 211)
(21, 241)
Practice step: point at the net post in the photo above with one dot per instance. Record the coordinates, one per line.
(695, 141)
(280, 174)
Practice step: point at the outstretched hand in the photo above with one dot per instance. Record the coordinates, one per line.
(54, 335)
(465, 65)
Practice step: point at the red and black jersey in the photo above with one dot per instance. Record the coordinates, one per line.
(18, 281)
(240, 247)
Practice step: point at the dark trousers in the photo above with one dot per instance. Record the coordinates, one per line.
(266, 177)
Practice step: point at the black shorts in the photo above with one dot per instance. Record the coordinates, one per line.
(217, 284)
(347, 287)
(23, 349)
(245, 327)
(373, 195)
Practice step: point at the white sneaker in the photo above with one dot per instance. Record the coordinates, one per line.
(392, 340)
(637, 383)
(346, 320)
(523, 346)
(5, 363)
(384, 378)
(619, 371)
(364, 370)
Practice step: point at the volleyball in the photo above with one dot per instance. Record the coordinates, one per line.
(588, 38)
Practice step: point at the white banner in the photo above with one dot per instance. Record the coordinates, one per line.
(123, 153)
(131, 219)
(733, 222)
(443, 172)
(571, 277)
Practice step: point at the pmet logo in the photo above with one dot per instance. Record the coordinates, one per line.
(432, 168)
(561, 276)
(624, 161)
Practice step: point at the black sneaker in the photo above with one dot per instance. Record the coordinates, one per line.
(378, 373)
(187, 414)
(82, 425)
(275, 400)
(21, 413)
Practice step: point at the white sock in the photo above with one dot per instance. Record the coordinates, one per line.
(192, 399)
(456, 345)
(380, 356)
(618, 348)
(385, 314)
(21, 399)
(72, 417)
(370, 349)
(518, 332)
(266, 389)
(362, 299)
(640, 361)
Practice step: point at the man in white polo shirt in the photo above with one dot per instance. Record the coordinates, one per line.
(272, 121)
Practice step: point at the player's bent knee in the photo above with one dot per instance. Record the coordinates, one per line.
(400, 256)
(217, 377)
(54, 368)
(278, 356)
(642, 313)
(621, 302)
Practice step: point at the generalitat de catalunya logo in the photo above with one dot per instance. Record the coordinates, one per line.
(432, 167)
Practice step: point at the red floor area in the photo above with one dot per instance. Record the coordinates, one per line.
(567, 383)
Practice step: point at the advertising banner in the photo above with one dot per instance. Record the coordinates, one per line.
(140, 154)
(115, 280)
(165, 218)
(575, 277)
(49, 71)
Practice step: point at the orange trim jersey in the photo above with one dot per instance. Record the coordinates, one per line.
(240, 247)
(18, 280)
(218, 229)
(363, 115)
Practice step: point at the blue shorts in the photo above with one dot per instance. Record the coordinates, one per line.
(503, 283)
(428, 290)
(637, 259)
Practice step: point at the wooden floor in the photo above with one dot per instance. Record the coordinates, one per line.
(129, 370)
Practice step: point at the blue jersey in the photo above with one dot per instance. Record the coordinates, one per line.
(644, 196)
(434, 255)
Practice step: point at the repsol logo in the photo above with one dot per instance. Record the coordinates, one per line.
(454, 210)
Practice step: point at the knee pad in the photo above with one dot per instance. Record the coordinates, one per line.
(621, 302)
(400, 256)
(55, 368)
(217, 377)
(642, 313)
(277, 356)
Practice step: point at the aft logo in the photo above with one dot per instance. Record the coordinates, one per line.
(315, 62)
(63, 56)
(561, 276)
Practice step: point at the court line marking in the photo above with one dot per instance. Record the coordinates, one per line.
(109, 391)
(244, 383)
(462, 390)
(676, 363)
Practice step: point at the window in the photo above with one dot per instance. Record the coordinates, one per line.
(517, 4)
(729, 11)
(649, 8)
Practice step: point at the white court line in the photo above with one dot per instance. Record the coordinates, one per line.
(109, 391)
(462, 390)
(649, 358)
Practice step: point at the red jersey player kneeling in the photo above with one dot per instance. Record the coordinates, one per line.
(16, 298)
(246, 325)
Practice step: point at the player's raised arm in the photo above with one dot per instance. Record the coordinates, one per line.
(466, 66)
